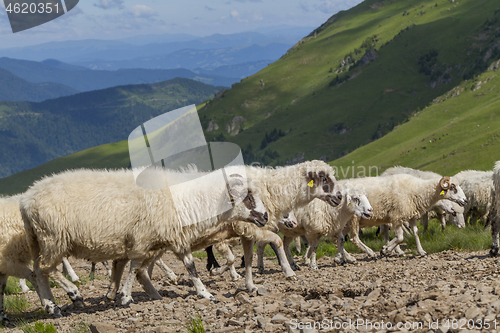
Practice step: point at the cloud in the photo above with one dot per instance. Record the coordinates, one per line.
(235, 14)
(108, 4)
(141, 11)
(248, 0)
(304, 7)
(209, 8)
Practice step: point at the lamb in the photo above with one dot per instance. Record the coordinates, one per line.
(442, 205)
(495, 224)
(288, 221)
(281, 189)
(401, 198)
(103, 215)
(15, 256)
(320, 219)
(479, 189)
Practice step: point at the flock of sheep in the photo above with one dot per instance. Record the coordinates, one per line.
(103, 215)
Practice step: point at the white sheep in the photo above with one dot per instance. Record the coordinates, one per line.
(320, 219)
(480, 192)
(15, 258)
(447, 206)
(495, 224)
(282, 189)
(103, 215)
(401, 198)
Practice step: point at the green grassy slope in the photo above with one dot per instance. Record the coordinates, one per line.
(294, 94)
(452, 134)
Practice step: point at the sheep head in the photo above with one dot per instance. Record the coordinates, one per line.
(289, 220)
(323, 185)
(451, 191)
(242, 197)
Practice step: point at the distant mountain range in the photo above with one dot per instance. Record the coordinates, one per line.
(79, 79)
(13, 88)
(34, 133)
(80, 51)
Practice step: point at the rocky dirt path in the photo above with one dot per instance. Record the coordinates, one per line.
(444, 292)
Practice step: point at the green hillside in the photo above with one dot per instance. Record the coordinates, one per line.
(13, 88)
(459, 130)
(424, 49)
(35, 133)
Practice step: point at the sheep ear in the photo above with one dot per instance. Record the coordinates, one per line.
(233, 191)
(312, 179)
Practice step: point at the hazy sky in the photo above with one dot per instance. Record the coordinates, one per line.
(114, 19)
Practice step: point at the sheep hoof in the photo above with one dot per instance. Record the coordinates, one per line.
(292, 278)
(213, 299)
(252, 291)
(494, 251)
(295, 267)
(236, 277)
(260, 270)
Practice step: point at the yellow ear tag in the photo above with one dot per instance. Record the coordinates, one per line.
(442, 192)
(311, 183)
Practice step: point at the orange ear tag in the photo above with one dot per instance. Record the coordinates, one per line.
(311, 183)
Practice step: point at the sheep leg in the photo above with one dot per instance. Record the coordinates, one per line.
(276, 240)
(69, 287)
(260, 257)
(389, 247)
(248, 252)
(225, 250)
(117, 269)
(420, 250)
(313, 246)
(126, 292)
(211, 261)
(354, 232)
(147, 285)
(340, 258)
(187, 259)
(425, 221)
(298, 246)
(3, 284)
(495, 228)
(92, 271)
(106, 266)
(167, 270)
(157, 261)
(286, 245)
(23, 286)
(45, 294)
(69, 271)
(385, 234)
(442, 219)
(307, 256)
(275, 249)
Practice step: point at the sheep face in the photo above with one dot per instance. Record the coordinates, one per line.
(247, 205)
(324, 186)
(359, 205)
(289, 220)
(450, 190)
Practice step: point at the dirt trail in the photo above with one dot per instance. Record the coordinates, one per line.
(454, 288)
